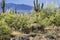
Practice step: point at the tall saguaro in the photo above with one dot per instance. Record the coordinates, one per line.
(3, 5)
(36, 5)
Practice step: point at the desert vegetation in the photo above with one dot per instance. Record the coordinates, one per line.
(40, 21)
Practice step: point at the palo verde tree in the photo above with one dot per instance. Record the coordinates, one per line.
(3, 5)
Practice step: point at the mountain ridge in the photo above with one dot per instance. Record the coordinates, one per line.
(22, 7)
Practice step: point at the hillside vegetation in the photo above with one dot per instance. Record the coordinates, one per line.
(14, 21)
(39, 20)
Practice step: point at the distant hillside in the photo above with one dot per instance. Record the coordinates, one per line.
(20, 7)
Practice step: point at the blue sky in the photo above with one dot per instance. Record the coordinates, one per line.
(30, 2)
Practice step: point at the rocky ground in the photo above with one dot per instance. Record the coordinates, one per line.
(37, 36)
(52, 33)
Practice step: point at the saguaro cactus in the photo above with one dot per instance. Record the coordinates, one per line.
(42, 5)
(3, 5)
(36, 5)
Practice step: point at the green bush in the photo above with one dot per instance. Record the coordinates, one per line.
(4, 29)
(57, 17)
(23, 21)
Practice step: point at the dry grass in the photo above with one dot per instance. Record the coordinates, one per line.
(16, 33)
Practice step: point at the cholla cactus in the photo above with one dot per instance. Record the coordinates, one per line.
(3, 5)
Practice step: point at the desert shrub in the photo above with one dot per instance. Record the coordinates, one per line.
(4, 29)
(57, 17)
(23, 21)
(17, 21)
(45, 17)
(51, 34)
